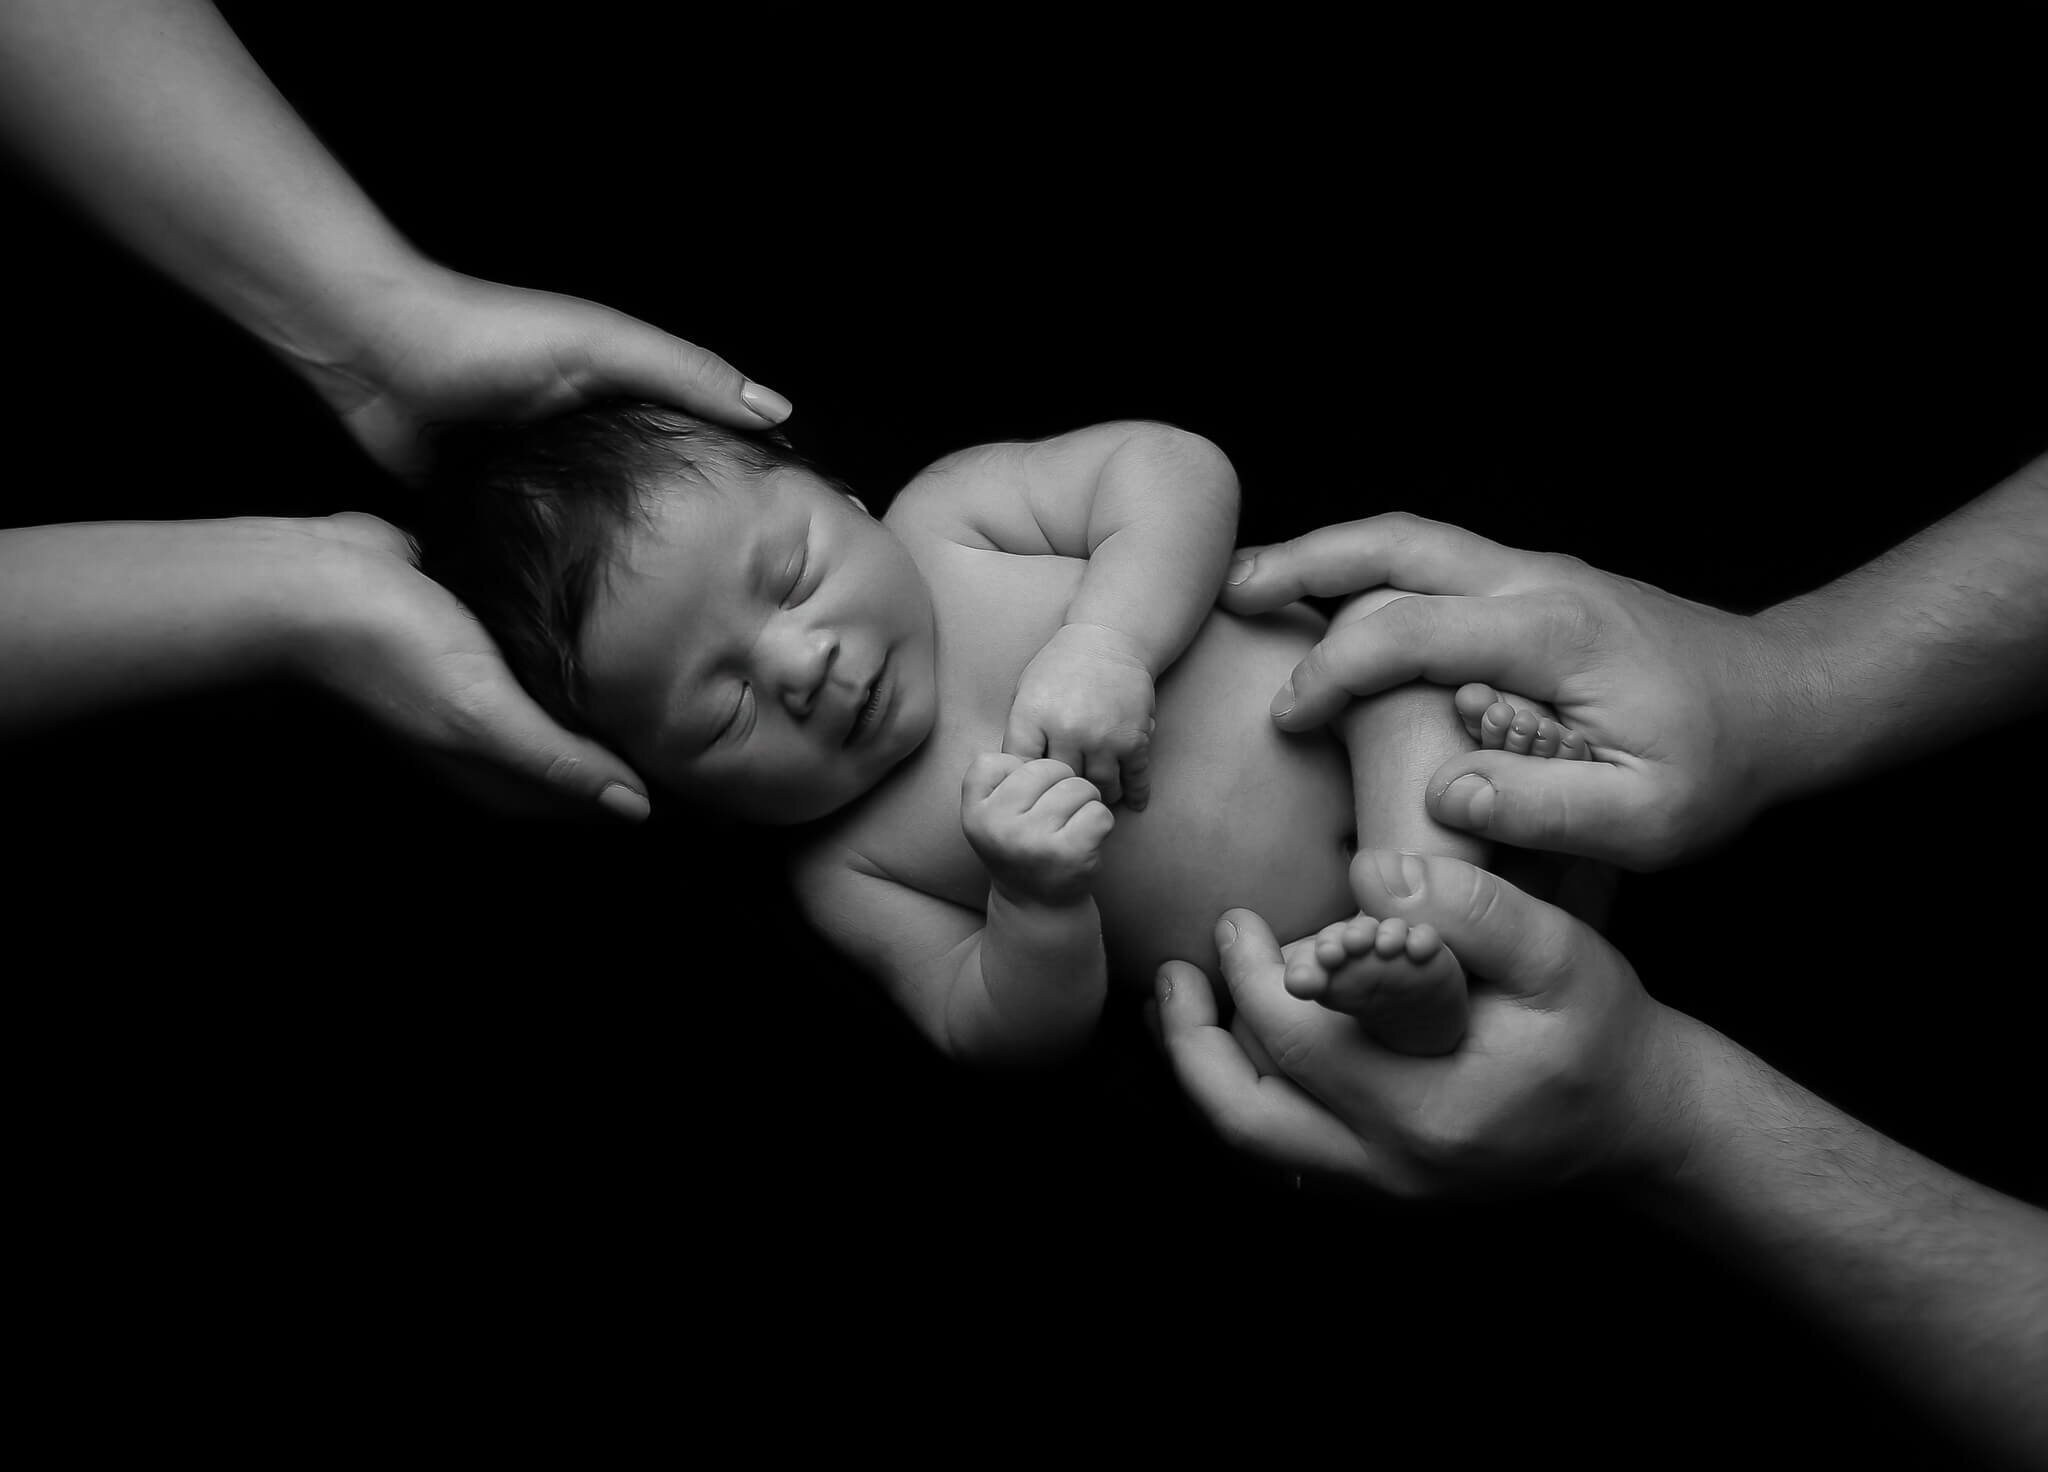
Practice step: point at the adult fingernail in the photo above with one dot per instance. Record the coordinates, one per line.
(625, 802)
(1401, 872)
(1239, 571)
(765, 402)
(1467, 802)
(1226, 935)
(1284, 701)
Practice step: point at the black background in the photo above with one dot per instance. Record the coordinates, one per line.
(393, 1095)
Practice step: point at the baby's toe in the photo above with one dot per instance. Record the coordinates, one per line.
(1390, 939)
(1306, 979)
(1330, 950)
(1423, 942)
(1521, 732)
(1571, 746)
(1548, 734)
(1472, 702)
(1495, 725)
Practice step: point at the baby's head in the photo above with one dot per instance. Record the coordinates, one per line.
(726, 618)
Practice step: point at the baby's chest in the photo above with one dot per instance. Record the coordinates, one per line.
(1241, 813)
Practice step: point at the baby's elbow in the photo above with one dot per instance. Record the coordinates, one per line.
(1185, 460)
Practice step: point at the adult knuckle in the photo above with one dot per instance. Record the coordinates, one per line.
(1292, 1046)
(1480, 902)
(562, 768)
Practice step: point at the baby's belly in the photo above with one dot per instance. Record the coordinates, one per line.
(1241, 813)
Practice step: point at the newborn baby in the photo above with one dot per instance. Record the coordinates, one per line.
(948, 704)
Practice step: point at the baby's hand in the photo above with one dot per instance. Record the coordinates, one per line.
(1086, 700)
(1037, 828)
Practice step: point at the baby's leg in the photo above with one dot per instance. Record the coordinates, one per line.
(1502, 722)
(1396, 740)
(1400, 981)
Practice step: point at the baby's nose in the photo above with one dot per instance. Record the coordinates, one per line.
(807, 667)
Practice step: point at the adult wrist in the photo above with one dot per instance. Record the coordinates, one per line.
(1793, 739)
(336, 329)
(316, 594)
(1673, 1109)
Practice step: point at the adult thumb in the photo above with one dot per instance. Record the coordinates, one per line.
(1596, 809)
(1511, 938)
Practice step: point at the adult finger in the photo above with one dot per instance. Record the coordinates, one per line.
(1518, 642)
(1595, 809)
(1512, 939)
(626, 357)
(1409, 552)
(1255, 970)
(515, 733)
(1263, 1114)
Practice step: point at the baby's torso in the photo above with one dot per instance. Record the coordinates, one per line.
(1240, 813)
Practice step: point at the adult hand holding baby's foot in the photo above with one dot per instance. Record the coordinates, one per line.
(1669, 697)
(1569, 1068)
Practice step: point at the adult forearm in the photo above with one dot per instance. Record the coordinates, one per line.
(1160, 530)
(154, 119)
(101, 614)
(1936, 1280)
(1945, 635)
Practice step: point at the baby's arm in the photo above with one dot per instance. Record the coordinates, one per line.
(1153, 510)
(95, 614)
(1025, 981)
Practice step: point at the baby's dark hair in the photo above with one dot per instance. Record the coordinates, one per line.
(523, 521)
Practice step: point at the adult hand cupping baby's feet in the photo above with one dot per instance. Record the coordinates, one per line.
(1569, 1068)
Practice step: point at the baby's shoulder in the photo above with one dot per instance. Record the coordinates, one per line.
(948, 502)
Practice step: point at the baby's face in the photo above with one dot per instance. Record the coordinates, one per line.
(766, 648)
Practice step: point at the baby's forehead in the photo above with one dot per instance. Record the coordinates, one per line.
(701, 551)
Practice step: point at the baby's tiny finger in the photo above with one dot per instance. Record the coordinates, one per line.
(986, 773)
(1030, 781)
(1137, 772)
(1023, 739)
(1102, 771)
(1091, 824)
(1066, 797)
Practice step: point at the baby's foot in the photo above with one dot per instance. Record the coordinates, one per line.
(1399, 980)
(1514, 723)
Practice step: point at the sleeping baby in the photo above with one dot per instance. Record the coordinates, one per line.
(1019, 748)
